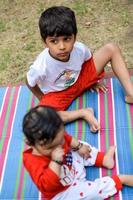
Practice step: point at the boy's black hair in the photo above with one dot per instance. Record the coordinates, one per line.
(41, 123)
(57, 21)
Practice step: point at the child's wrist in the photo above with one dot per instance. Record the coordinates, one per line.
(59, 162)
(76, 148)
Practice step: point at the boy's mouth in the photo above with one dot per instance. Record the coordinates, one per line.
(63, 54)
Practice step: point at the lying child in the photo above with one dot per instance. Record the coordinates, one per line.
(56, 161)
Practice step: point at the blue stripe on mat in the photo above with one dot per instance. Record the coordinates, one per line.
(123, 137)
(125, 159)
(2, 93)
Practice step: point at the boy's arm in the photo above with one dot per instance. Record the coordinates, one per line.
(35, 90)
(98, 86)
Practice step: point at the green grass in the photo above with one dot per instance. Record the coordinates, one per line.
(2, 26)
(5, 58)
(79, 7)
(98, 22)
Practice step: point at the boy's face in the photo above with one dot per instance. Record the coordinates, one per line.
(46, 149)
(60, 47)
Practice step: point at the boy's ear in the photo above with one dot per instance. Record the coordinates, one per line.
(45, 44)
(44, 41)
(75, 38)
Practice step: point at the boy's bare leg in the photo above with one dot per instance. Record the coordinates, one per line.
(108, 160)
(112, 53)
(86, 114)
(126, 179)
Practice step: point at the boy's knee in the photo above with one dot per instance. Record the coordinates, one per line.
(112, 48)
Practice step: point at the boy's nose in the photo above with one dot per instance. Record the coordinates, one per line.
(61, 45)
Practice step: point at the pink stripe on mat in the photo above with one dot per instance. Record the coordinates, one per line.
(4, 110)
(109, 138)
(21, 180)
(10, 121)
(131, 114)
(110, 111)
(80, 123)
(102, 121)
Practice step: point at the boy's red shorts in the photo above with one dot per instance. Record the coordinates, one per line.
(62, 99)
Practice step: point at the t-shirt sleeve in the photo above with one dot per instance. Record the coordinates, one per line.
(45, 179)
(68, 138)
(32, 77)
(87, 53)
(83, 51)
(48, 181)
(36, 73)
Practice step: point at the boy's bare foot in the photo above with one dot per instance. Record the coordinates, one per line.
(108, 160)
(88, 115)
(129, 99)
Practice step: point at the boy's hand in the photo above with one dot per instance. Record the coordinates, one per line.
(98, 86)
(57, 153)
(84, 151)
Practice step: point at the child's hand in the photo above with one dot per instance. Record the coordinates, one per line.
(84, 151)
(97, 87)
(57, 153)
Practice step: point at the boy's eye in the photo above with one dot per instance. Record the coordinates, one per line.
(67, 38)
(54, 41)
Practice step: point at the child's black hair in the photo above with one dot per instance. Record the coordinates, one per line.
(41, 123)
(57, 21)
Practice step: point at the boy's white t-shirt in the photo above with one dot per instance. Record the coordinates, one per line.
(54, 75)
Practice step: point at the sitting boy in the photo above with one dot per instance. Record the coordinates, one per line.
(66, 68)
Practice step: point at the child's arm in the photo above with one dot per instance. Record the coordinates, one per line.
(56, 160)
(83, 149)
(43, 174)
(126, 179)
(35, 90)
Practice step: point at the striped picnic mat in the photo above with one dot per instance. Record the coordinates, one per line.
(116, 119)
